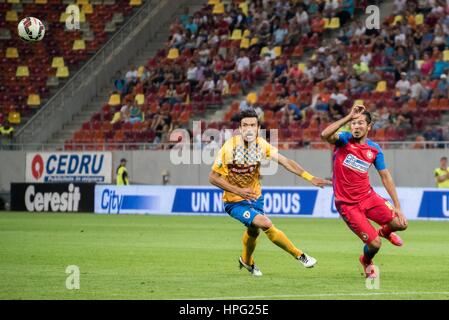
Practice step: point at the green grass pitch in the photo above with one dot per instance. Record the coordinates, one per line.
(186, 257)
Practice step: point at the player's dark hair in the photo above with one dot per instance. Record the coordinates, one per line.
(443, 158)
(368, 117)
(249, 113)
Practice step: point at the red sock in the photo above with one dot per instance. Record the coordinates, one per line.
(385, 231)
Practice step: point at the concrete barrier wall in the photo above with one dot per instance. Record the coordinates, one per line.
(410, 168)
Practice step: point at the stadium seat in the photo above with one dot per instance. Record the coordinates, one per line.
(245, 43)
(13, 1)
(40, 1)
(334, 23)
(381, 86)
(140, 99)
(14, 117)
(244, 7)
(277, 51)
(218, 8)
(236, 34)
(78, 2)
(135, 3)
(252, 97)
(22, 71)
(79, 45)
(114, 100)
(12, 53)
(446, 55)
(173, 54)
(419, 19)
(254, 41)
(34, 100)
(57, 62)
(11, 16)
(213, 2)
(87, 8)
(62, 72)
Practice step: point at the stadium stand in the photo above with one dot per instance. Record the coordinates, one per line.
(31, 72)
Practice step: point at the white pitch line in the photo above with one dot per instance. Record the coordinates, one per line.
(362, 294)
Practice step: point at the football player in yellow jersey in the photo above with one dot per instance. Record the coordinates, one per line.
(236, 170)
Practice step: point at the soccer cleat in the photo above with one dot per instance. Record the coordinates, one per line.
(393, 238)
(307, 261)
(368, 268)
(253, 269)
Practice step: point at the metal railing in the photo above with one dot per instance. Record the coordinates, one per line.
(87, 81)
(287, 145)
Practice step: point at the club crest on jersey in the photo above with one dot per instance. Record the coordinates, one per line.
(364, 236)
(352, 162)
(369, 154)
(246, 215)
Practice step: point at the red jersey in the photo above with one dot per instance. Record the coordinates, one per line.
(350, 168)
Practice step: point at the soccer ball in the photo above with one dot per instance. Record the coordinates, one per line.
(31, 29)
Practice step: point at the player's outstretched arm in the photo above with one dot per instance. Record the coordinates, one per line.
(330, 133)
(218, 181)
(387, 181)
(295, 168)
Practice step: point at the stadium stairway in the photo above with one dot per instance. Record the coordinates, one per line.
(142, 58)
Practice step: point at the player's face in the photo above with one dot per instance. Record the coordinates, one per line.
(360, 127)
(249, 128)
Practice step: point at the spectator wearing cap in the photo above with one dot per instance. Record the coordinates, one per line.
(122, 174)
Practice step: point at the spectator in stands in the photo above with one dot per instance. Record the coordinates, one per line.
(383, 119)
(222, 86)
(192, 73)
(442, 174)
(403, 87)
(208, 86)
(135, 114)
(119, 83)
(431, 133)
(440, 67)
(242, 63)
(442, 87)
(417, 91)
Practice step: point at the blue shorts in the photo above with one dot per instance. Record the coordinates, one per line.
(244, 211)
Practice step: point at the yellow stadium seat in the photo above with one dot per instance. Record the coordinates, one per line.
(63, 17)
(302, 66)
(245, 43)
(22, 71)
(57, 62)
(173, 54)
(358, 102)
(135, 3)
(236, 34)
(79, 45)
(34, 100)
(13, 1)
(114, 100)
(12, 53)
(40, 1)
(419, 63)
(11, 15)
(446, 55)
(397, 19)
(264, 50)
(14, 117)
(218, 8)
(254, 41)
(82, 2)
(335, 23)
(251, 97)
(419, 19)
(213, 2)
(62, 72)
(326, 22)
(277, 51)
(140, 71)
(87, 8)
(140, 99)
(244, 7)
(381, 86)
(246, 33)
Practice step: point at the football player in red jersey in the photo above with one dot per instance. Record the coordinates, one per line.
(355, 199)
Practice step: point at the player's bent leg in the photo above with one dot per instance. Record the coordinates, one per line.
(282, 241)
(369, 251)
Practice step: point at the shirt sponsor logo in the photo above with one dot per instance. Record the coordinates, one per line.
(352, 162)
